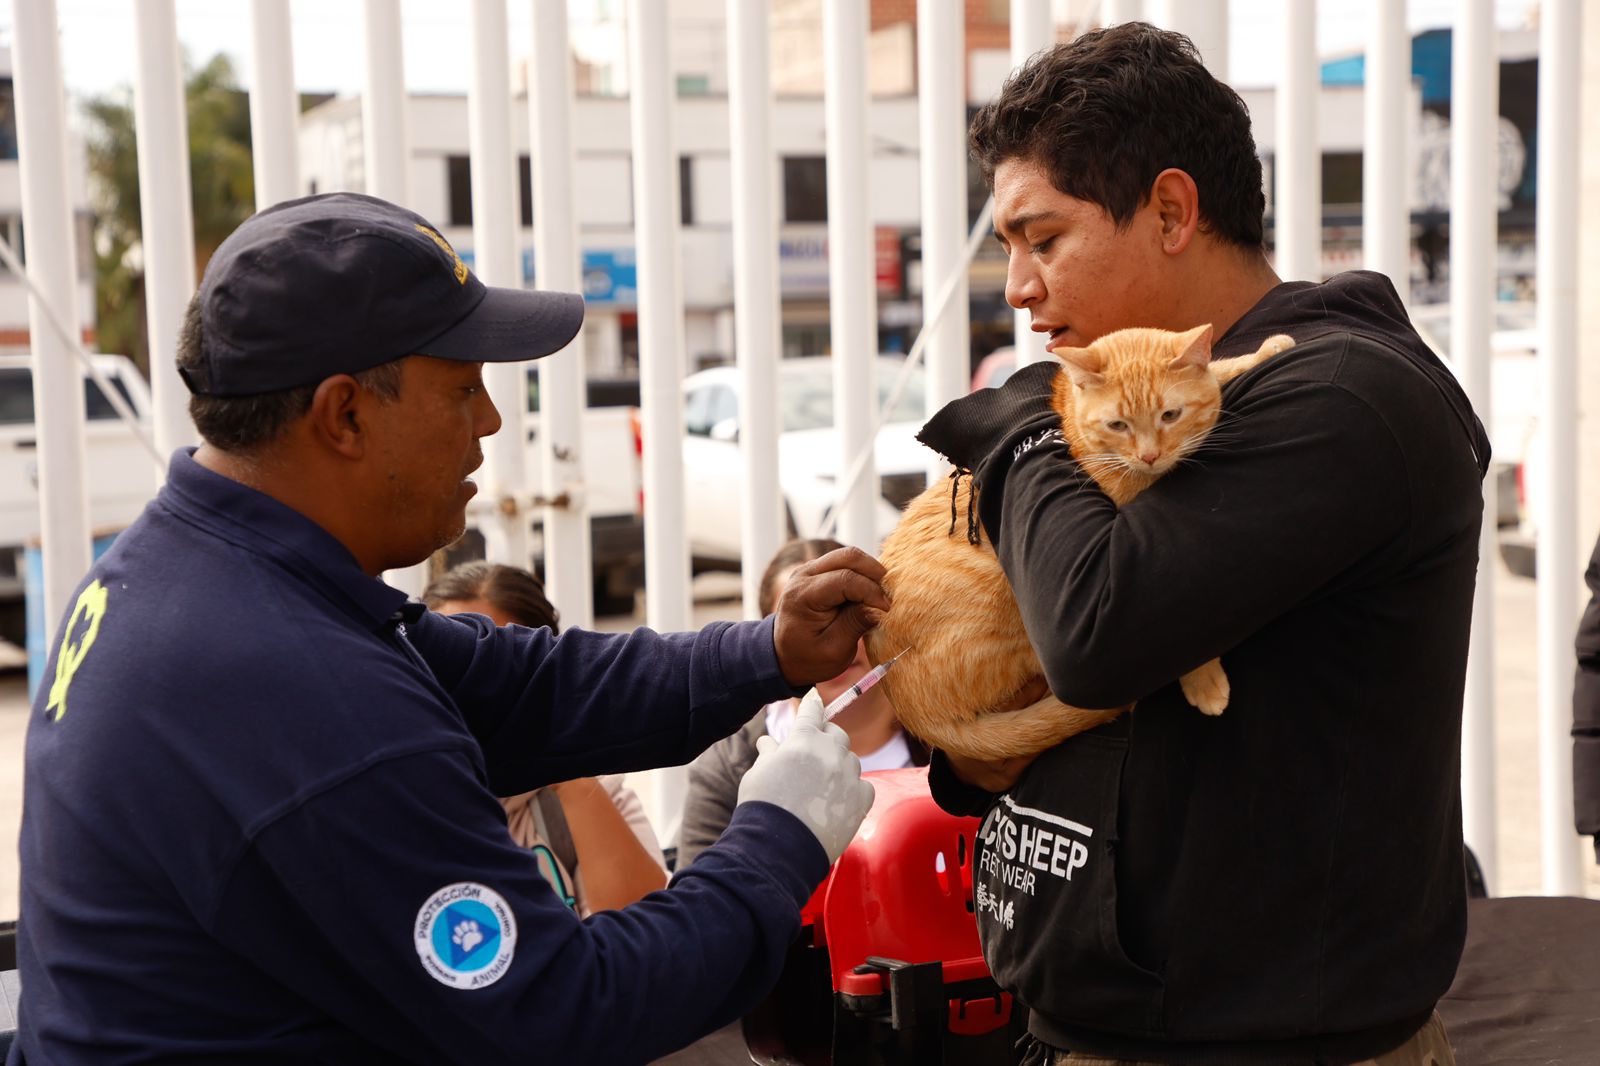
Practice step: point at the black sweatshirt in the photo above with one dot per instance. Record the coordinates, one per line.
(1284, 883)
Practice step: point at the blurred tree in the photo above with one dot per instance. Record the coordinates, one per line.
(221, 180)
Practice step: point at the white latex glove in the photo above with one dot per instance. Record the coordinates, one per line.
(814, 776)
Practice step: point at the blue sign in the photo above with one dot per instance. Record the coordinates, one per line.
(610, 275)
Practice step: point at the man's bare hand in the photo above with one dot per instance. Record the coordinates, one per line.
(828, 604)
(991, 775)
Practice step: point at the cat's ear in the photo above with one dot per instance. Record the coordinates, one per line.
(1084, 366)
(1194, 349)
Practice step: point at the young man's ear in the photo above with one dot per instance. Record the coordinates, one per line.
(338, 415)
(1177, 201)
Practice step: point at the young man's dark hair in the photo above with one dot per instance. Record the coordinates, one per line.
(1137, 101)
(243, 423)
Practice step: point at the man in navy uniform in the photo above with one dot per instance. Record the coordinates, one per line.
(260, 820)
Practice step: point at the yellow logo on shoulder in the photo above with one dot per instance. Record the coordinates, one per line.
(90, 609)
(461, 268)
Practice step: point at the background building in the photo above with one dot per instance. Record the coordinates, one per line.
(13, 294)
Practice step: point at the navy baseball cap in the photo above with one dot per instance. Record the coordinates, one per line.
(341, 283)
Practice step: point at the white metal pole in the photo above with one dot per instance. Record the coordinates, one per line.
(757, 305)
(1474, 88)
(1113, 12)
(494, 247)
(386, 153)
(274, 107)
(385, 158)
(1205, 22)
(1557, 520)
(57, 383)
(161, 126)
(1297, 161)
(651, 95)
(1032, 29)
(941, 114)
(558, 263)
(852, 296)
(655, 206)
(1385, 174)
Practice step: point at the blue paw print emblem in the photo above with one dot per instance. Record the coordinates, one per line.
(466, 935)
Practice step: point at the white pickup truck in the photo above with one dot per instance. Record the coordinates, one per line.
(122, 477)
(612, 489)
(121, 474)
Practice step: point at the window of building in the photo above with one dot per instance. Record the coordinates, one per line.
(525, 188)
(11, 233)
(805, 188)
(458, 180)
(693, 85)
(686, 190)
(459, 185)
(1341, 178)
(8, 120)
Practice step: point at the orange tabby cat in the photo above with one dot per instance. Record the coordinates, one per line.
(1133, 404)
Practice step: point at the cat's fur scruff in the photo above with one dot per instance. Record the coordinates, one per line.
(1133, 404)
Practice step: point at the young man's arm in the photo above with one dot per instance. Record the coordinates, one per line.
(1304, 481)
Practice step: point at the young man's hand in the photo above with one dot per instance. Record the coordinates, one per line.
(828, 604)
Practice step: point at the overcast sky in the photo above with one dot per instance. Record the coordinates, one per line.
(98, 52)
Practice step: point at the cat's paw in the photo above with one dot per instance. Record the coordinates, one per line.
(1206, 687)
(1281, 342)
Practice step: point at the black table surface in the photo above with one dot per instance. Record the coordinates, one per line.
(1527, 992)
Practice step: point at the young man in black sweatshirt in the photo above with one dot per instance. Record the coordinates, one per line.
(1283, 883)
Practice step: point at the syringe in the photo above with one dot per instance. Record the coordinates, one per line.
(853, 693)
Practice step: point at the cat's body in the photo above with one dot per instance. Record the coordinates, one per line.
(1132, 405)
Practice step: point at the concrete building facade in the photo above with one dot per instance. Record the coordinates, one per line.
(13, 294)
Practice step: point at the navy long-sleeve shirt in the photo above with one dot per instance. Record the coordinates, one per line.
(259, 817)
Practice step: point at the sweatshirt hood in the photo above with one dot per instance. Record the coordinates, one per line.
(1362, 302)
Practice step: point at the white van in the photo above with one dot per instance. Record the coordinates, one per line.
(121, 473)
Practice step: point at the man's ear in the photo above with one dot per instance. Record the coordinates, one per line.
(338, 415)
(1176, 199)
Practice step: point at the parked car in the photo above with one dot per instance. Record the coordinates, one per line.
(808, 455)
(995, 369)
(121, 474)
(612, 479)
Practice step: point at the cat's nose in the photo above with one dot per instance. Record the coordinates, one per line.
(1150, 458)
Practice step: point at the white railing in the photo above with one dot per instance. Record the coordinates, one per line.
(170, 278)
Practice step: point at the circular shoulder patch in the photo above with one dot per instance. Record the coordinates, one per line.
(465, 935)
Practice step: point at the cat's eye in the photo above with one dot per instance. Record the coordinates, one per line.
(1170, 415)
(1117, 425)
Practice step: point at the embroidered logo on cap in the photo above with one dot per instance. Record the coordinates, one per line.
(461, 268)
(466, 935)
